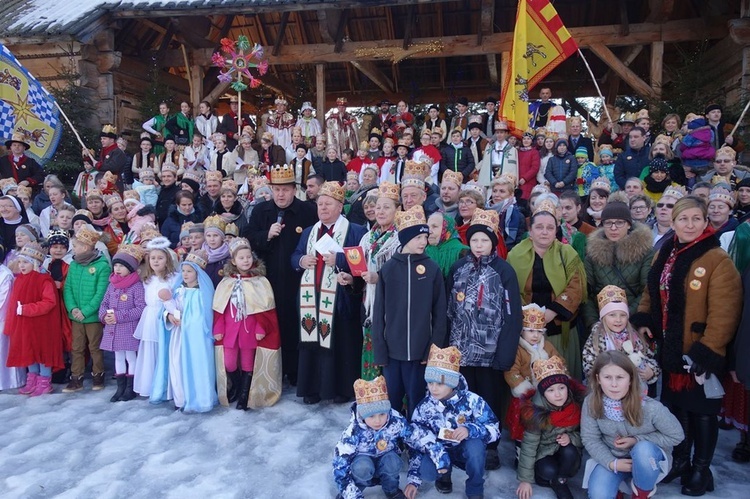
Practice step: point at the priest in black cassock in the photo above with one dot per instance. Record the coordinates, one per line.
(274, 229)
(330, 349)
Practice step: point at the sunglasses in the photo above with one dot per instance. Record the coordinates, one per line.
(722, 161)
(665, 205)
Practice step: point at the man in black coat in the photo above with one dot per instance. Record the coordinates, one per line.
(111, 158)
(274, 230)
(630, 162)
(576, 140)
(456, 157)
(228, 125)
(16, 165)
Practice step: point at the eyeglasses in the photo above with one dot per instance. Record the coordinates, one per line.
(665, 205)
(466, 202)
(614, 224)
(638, 208)
(722, 161)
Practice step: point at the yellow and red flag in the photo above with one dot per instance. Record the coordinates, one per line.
(540, 43)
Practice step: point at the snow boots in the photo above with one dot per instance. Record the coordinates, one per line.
(244, 390)
(31, 381)
(120, 388)
(43, 386)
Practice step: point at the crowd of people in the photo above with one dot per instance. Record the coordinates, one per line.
(582, 292)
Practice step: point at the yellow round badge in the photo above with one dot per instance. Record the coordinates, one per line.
(700, 272)
(92, 270)
(421, 269)
(695, 285)
(298, 230)
(382, 445)
(460, 296)
(123, 297)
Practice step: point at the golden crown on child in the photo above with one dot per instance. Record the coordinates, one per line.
(544, 368)
(367, 392)
(411, 217)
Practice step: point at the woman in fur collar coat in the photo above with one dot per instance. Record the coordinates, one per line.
(617, 255)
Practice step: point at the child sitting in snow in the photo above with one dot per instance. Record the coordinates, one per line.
(369, 451)
(531, 347)
(461, 420)
(615, 332)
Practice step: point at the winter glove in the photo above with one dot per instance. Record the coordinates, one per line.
(697, 369)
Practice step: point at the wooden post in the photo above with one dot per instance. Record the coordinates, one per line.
(320, 93)
(657, 60)
(196, 88)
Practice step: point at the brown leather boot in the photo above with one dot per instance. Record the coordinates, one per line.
(74, 385)
(98, 381)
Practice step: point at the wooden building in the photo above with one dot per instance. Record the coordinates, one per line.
(423, 51)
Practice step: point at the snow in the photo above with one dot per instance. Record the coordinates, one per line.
(81, 445)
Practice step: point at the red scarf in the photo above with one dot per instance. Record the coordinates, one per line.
(119, 282)
(104, 155)
(568, 416)
(15, 165)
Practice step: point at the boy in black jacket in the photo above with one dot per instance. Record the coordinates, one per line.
(409, 312)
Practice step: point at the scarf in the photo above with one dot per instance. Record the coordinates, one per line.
(537, 352)
(379, 246)
(101, 222)
(317, 294)
(449, 249)
(17, 164)
(568, 230)
(218, 254)
(86, 257)
(613, 409)
(568, 416)
(119, 282)
(595, 215)
(237, 298)
(657, 187)
(104, 155)
(738, 247)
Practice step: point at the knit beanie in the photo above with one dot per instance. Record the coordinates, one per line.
(658, 164)
(485, 221)
(410, 224)
(617, 210)
(195, 186)
(606, 152)
(372, 397)
(550, 372)
(581, 152)
(745, 182)
(443, 365)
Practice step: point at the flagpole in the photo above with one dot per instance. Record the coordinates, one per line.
(75, 132)
(604, 102)
(742, 116)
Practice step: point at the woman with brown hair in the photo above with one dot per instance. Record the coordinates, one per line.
(693, 294)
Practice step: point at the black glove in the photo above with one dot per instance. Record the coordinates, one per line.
(697, 369)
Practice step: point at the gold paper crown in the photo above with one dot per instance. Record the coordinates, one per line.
(267, 136)
(213, 175)
(490, 218)
(352, 175)
(85, 213)
(660, 139)
(112, 199)
(87, 235)
(413, 181)
(34, 251)
(413, 216)
(675, 191)
(602, 183)
(341, 100)
(131, 194)
(219, 136)
(198, 257)
(444, 358)
(501, 125)
(259, 182)
(414, 169)
(197, 228)
(147, 173)
(232, 230)
(473, 186)
(229, 184)
(94, 193)
(475, 118)
(388, 190)
(364, 146)
(109, 129)
(23, 190)
(192, 175)
(252, 171)
(455, 177)
(610, 294)
(643, 113)
(280, 100)
(628, 117)
(110, 177)
(533, 317)
(506, 178)
(388, 140)
(282, 175)
(215, 222)
(402, 143)
(187, 226)
(376, 131)
(368, 392)
(546, 206)
(727, 151)
(333, 190)
(548, 367)
(721, 194)
(8, 182)
(133, 250)
(149, 232)
(169, 167)
(237, 244)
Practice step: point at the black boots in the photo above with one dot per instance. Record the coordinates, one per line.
(681, 453)
(244, 390)
(128, 394)
(706, 432)
(120, 388)
(561, 489)
(234, 385)
(491, 459)
(444, 484)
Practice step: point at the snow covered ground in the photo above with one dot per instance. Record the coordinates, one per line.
(81, 445)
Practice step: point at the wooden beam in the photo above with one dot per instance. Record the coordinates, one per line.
(196, 87)
(370, 70)
(465, 45)
(577, 107)
(624, 72)
(166, 40)
(338, 39)
(216, 93)
(320, 94)
(657, 67)
(624, 24)
(280, 35)
(327, 18)
(492, 67)
(409, 26)
(627, 58)
(486, 23)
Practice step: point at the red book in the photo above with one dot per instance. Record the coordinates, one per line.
(355, 256)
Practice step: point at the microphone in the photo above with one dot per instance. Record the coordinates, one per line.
(280, 217)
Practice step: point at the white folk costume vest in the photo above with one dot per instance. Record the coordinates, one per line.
(317, 311)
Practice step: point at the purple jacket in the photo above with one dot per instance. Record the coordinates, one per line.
(697, 145)
(128, 304)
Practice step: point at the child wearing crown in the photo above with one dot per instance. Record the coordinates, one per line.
(120, 311)
(614, 331)
(551, 448)
(369, 451)
(215, 247)
(57, 264)
(532, 346)
(244, 321)
(459, 419)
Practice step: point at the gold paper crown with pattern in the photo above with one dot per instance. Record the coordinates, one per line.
(546, 206)
(219, 136)
(341, 100)
(34, 251)
(23, 190)
(352, 175)
(237, 244)
(501, 125)
(506, 178)
(232, 230)
(602, 183)
(333, 190)
(198, 257)
(368, 392)
(87, 235)
(675, 191)
(489, 218)
(94, 194)
(554, 366)
(444, 358)
(411, 217)
(282, 174)
(280, 100)
(722, 194)
(533, 317)
(389, 190)
(147, 173)
(186, 227)
(131, 194)
(169, 167)
(610, 294)
(414, 169)
(727, 151)
(259, 182)
(364, 146)
(475, 118)
(192, 175)
(213, 176)
(413, 181)
(112, 199)
(8, 183)
(110, 177)
(643, 113)
(229, 184)
(454, 177)
(149, 232)
(662, 139)
(473, 186)
(133, 250)
(214, 222)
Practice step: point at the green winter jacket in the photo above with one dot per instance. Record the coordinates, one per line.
(84, 288)
(631, 255)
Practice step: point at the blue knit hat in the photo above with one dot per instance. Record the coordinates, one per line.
(443, 365)
(581, 152)
(372, 397)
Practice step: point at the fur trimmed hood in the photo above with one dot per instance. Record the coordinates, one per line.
(630, 249)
